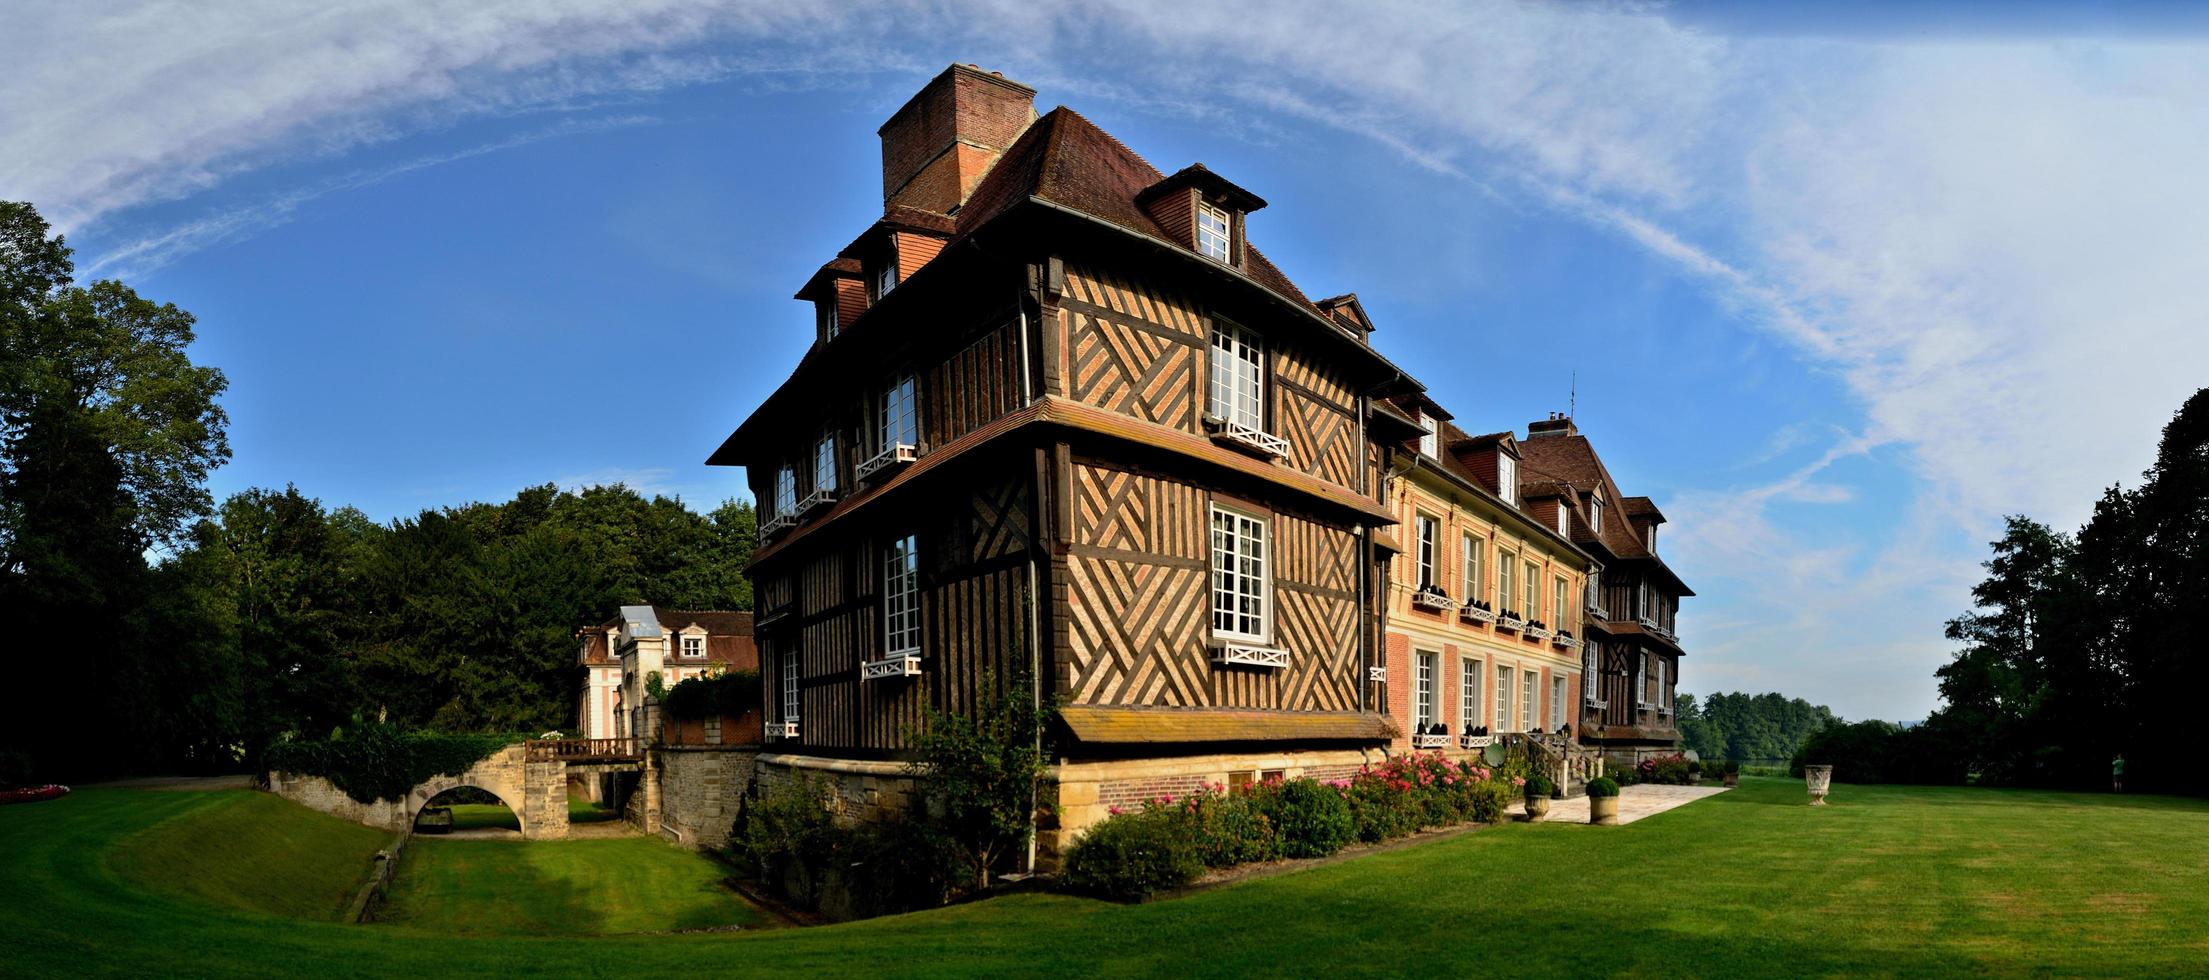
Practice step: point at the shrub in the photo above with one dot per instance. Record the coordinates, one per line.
(1233, 828)
(1732, 768)
(1667, 769)
(1602, 786)
(791, 825)
(1538, 786)
(1134, 855)
(898, 866)
(376, 761)
(1488, 799)
(1309, 818)
(1381, 811)
(982, 772)
(732, 693)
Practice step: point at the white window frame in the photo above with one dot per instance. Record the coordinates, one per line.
(1218, 242)
(786, 490)
(1425, 668)
(1664, 706)
(1507, 478)
(827, 318)
(1469, 576)
(1429, 530)
(897, 417)
(1557, 692)
(1238, 391)
(1527, 712)
(1641, 679)
(1560, 592)
(886, 278)
(901, 597)
(1533, 591)
(1564, 519)
(1241, 576)
(1591, 659)
(789, 686)
(695, 638)
(1468, 695)
(1504, 694)
(1595, 512)
(1506, 572)
(824, 462)
(1430, 439)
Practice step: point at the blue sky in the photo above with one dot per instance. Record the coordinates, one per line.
(1840, 284)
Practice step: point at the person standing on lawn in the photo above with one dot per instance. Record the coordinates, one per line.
(2117, 773)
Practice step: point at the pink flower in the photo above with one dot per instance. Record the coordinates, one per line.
(1115, 811)
(1517, 781)
(1168, 798)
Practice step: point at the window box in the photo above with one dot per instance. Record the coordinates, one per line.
(816, 500)
(894, 666)
(1477, 611)
(1430, 741)
(1647, 623)
(1475, 741)
(1565, 639)
(1248, 655)
(1598, 703)
(1376, 674)
(778, 524)
(1537, 630)
(1247, 438)
(782, 729)
(887, 460)
(1509, 620)
(1430, 597)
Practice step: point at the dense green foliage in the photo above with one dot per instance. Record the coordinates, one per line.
(731, 693)
(1135, 855)
(1888, 881)
(255, 852)
(377, 761)
(1602, 786)
(2080, 648)
(791, 841)
(1748, 727)
(982, 773)
(107, 433)
(558, 888)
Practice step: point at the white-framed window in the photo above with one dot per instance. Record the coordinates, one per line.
(1240, 590)
(1469, 567)
(1556, 702)
(1507, 564)
(789, 686)
(1593, 600)
(1641, 600)
(1215, 233)
(1564, 519)
(1430, 442)
(897, 420)
(1559, 588)
(1527, 714)
(1649, 537)
(1664, 703)
(901, 597)
(786, 489)
(1468, 695)
(1595, 511)
(1238, 375)
(885, 278)
(1507, 477)
(694, 647)
(1503, 699)
(1422, 700)
(1428, 530)
(824, 313)
(1591, 655)
(1641, 679)
(1533, 581)
(824, 462)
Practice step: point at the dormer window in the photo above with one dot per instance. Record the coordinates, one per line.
(1649, 537)
(694, 647)
(1595, 512)
(825, 318)
(1564, 519)
(885, 278)
(1215, 233)
(1507, 478)
(1430, 443)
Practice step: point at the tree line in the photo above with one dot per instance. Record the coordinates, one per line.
(1755, 728)
(154, 630)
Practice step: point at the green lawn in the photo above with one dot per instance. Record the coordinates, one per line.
(251, 851)
(550, 888)
(482, 816)
(1886, 881)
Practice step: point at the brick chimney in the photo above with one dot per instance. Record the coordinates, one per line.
(1558, 424)
(936, 148)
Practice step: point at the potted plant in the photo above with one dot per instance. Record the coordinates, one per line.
(1819, 779)
(1538, 789)
(1733, 774)
(1603, 801)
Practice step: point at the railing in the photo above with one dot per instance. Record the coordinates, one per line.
(897, 454)
(1249, 655)
(1249, 438)
(584, 749)
(1558, 755)
(1478, 612)
(1429, 597)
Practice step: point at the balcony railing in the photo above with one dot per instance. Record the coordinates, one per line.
(1509, 620)
(1564, 638)
(1430, 597)
(584, 750)
(1247, 438)
(1249, 655)
(817, 499)
(896, 455)
(778, 524)
(1476, 611)
(1537, 630)
(1475, 741)
(1376, 673)
(782, 729)
(894, 666)
(1431, 740)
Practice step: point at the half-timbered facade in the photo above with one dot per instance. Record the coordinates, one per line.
(1063, 426)
(1631, 651)
(1486, 597)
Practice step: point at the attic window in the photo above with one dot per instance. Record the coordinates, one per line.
(1430, 445)
(885, 279)
(1564, 518)
(1214, 232)
(1507, 478)
(1595, 512)
(825, 316)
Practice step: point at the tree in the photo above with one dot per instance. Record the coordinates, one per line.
(107, 433)
(982, 771)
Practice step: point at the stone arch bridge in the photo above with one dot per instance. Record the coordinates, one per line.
(531, 778)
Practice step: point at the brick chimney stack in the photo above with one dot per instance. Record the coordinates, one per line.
(936, 148)
(1558, 424)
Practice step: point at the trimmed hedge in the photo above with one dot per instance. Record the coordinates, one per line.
(732, 694)
(382, 762)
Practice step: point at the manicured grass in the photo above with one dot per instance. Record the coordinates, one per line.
(483, 816)
(1884, 881)
(581, 810)
(253, 851)
(556, 888)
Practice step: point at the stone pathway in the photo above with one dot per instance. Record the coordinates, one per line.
(1634, 802)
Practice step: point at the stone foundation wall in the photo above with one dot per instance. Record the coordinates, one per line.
(701, 790)
(866, 792)
(1087, 791)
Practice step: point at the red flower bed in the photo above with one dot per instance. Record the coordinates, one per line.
(32, 794)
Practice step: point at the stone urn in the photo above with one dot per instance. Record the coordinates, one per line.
(1537, 808)
(1603, 811)
(1820, 779)
(1733, 779)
